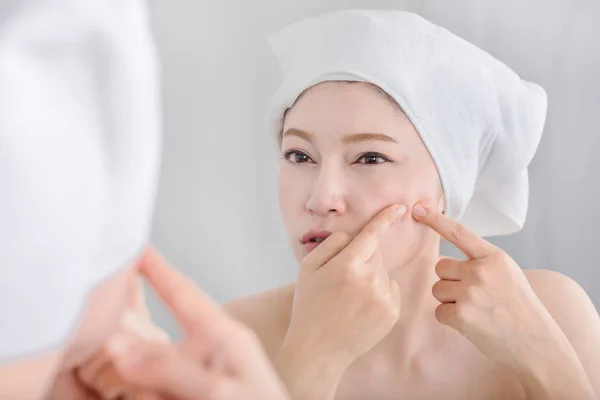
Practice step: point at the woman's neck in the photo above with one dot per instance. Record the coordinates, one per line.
(417, 325)
(416, 279)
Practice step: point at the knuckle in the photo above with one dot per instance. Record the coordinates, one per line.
(461, 312)
(371, 229)
(396, 313)
(374, 283)
(393, 310)
(504, 258)
(349, 275)
(479, 273)
(470, 294)
(458, 232)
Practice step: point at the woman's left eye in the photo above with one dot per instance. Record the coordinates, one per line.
(372, 158)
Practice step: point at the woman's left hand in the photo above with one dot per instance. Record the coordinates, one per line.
(487, 297)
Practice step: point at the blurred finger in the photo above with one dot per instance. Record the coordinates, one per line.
(142, 328)
(91, 370)
(140, 394)
(194, 310)
(167, 371)
(138, 302)
(109, 384)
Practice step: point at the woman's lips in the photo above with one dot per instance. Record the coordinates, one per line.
(314, 238)
(310, 246)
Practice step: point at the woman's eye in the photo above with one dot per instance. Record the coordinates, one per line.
(372, 158)
(296, 157)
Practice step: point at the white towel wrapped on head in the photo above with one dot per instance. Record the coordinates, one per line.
(79, 160)
(479, 120)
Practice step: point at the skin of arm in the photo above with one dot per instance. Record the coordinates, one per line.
(570, 367)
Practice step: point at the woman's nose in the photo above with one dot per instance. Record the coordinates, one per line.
(327, 196)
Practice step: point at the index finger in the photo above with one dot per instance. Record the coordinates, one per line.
(472, 245)
(367, 241)
(192, 308)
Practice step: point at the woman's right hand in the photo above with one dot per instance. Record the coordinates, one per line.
(99, 374)
(344, 304)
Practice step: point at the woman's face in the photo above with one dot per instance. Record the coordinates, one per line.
(347, 153)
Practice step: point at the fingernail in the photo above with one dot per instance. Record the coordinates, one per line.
(399, 211)
(419, 211)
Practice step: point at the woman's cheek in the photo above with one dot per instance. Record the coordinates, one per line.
(293, 194)
(402, 242)
(406, 238)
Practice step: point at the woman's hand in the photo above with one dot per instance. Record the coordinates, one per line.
(99, 374)
(97, 378)
(219, 359)
(488, 299)
(344, 304)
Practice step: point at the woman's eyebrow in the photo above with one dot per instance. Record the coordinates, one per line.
(366, 137)
(347, 139)
(297, 132)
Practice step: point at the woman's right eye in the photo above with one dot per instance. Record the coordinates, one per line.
(296, 157)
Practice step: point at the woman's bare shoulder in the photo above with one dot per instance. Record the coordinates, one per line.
(267, 313)
(575, 314)
(561, 295)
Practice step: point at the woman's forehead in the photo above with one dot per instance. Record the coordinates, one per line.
(339, 109)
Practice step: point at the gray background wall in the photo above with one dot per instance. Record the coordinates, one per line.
(217, 216)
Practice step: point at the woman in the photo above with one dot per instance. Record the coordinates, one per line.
(382, 108)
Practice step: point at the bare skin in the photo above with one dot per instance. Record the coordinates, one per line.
(218, 359)
(326, 184)
(442, 363)
(479, 328)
